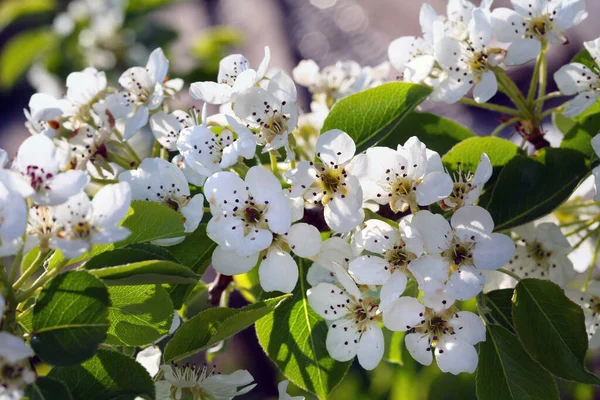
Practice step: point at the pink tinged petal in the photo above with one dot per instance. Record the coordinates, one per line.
(403, 314)
(13, 348)
(193, 212)
(329, 301)
(278, 272)
(493, 252)
(282, 87)
(472, 223)
(392, 289)
(465, 283)
(165, 128)
(570, 13)
(371, 347)
(468, 327)
(228, 262)
(369, 270)
(486, 88)
(580, 103)
(65, 185)
(111, 204)
(434, 230)
(335, 147)
(434, 187)
(262, 184)
(211, 92)
(304, 240)
(377, 236)
(522, 51)
(455, 356)
(507, 25)
(419, 348)
(158, 65)
(136, 122)
(480, 29)
(342, 340)
(254, 242)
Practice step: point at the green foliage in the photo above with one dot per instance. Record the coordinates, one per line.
(584, 57)
(438, 133)
(580, 130)
(394, 342)
(468, 153)
(45, 388)
(371, 116)
(214, 325)
(146, 272)
(144, 6)
(506, 372)
(107, 376)
(499, 304)
(293, 336)
(11, 10)
(118, 257)
(70, 318)
(552, 330)
(21, 51)
(139, 315)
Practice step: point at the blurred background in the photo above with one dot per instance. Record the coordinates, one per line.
(42, 41)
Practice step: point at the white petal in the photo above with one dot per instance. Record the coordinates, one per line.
(448, 52)
(522, 51)
(403, 314)
(507, 25)
(13, 348)
(335, 147)
(430, 271)
(223, 387)
(575, 78)
(279, 213)
(111, 204)
(228, 262)
(493, 252)
(211, 92)
(342, 215)
(580, 103)
(223, 188)
(419, 348)
(44, 107)
(434, 187)
(468, 327)
(593, 47)
(306, 72)
(465, 283)
(254, 242)
(39, 151)
(158, 65)
(262, 184)
(371, 347)
(304, 240)
(165, 128)
(135, 122)
(471, 223)
(486, 88)
(278, 272)
(570, 13)
(480, 29)
(455, 356)
(193, 212)
(434, 230)
(342, 340)
(376, 237)
(282, 87)
(400, 51)
(419, 68)
(65, 185)
(329, 301)
(369, 270)
(264, 64)
(150, 359)
(450, 90)
(392, 289)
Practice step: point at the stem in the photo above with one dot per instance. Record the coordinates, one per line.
(156, 149)
(514, 276)
(592, 266)
(11, 300)
(509, 88)
(293, 164)
(550, 96)
(41, 281)
(104, 181)
(16, 265)
(584, 226)
(163, 154)
(534, 79)
(130, 149)
(548, 112)
(542, 76)
(122, 162)
(273, 158)
(491, 107)
(579, 205)
(39, 260)
(583, 239)
(503, 125)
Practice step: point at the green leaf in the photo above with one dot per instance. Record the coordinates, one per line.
(468, 153)
(214, 325)
(499, 303)
(580, 130)
(107, 376)
(438, 133)
(370, 116)
(293, 336)
(21, 51)
(139, 315)
(506, 372)
(45, 388)
(552, 329)
(146, 272)
(114, 258)
(70, 318)
(159, 253)
(584, 57)
(144, 6)
(393, 346)
(530, 187)
(10, 10)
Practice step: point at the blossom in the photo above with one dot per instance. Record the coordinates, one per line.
(578, 79)
(596, 170)
(13, 220)
(36, 174)
(144, 90)
(408, 177)
(166, 127)
(272, 112)
(353, 320)
(532, 24)
(449, 334)
(335, 252)
(190, 174)
(468, 63)
(82, 223)
(194, 382)
(83, 89)
(282, 389)
(86, 144)
(43, 116)
(590, 303)
(246, 214)
(457, 252)
(162, 182)
(235, 76)
(467, 186)
(331, 181)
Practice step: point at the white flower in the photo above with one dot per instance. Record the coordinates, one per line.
(163, 182)
(246, 214)
(449, 334)
(81, 223)
(596, 171)
(353, 320)
(468, 63)
(13, 220)
(335, 251)
(150, 359)
(36, 173)
(590, 302)
(85, 145)
(409, 177)
(457, 253)
(144, 90)
(190, 174)
(273, 112)
(166, 127)
(235, 76)
(467, 187)
(533, 23)
(542, 254)
(43, 116)
(578, 79)
(15, 370)
(83, 89)
(282, 389)
(199, 383)
(388, 259)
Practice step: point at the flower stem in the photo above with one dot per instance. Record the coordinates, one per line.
(509, 88)
(548, 112)
(535, 78)
(592, 266)
(491, 107)
(543, 80)
(41, 281)
(586, 225)
(549, 96)
(104, 181)
(583, 239)
(11, 301)
(273, 158)
(16, 265)
(503, 125)
(39, 260)
(514, 276)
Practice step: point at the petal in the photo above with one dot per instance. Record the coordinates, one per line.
(465, 283)
(165, 128)
(593, 47)
(486, 88)
(278, 271)
(480, 29)
(403, 314)
(471, 223)
(230, 67)
(570, 13)
(222, 386)
(342, 215)
(38, 151)
(304, 240)
(13, 348)
(111, 204)
(376, 237)
(228, 262)
(279, 214)
(329, 301)
(419, 348)
(65, 185)
(434, 230)
(254, 242)
(306, 72)
(335, 147)
(264, 64)
(342, 340)
(522, 50)
(223, 189)
(493, 252)
(211, 92)
(136, 122)
(193, 212)
(150, 359)
(282, 87)
(371, 347)
(435, 186)
(262, 184)
(468, 327)
(439, 299)
(44, 107)
(392, 289)
(455, 356)
(450, 90)
(158, 65)
(400, 51)
(137, 80)
(448, 52)
(419, 68)
(575, 78)
(507, 25)
(580, 103)
(430, 271)
(369, 270)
